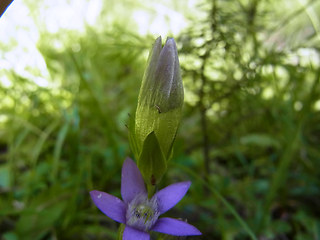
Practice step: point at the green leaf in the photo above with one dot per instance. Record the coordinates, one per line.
(10, 236)
(152, 162)
(42, 213)
(5, 176)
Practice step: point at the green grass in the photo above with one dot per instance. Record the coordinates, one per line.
(248, 139)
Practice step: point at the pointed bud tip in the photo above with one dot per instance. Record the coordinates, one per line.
(170, 39)
(158, 42)
(170, 42)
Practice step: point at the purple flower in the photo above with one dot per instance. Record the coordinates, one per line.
(139, 213)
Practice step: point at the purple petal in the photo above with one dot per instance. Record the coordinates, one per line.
(165, 69)
(171, 195)
(175, 227)
(148, 78)
(130, 233)
(110, 205)
(131, 181)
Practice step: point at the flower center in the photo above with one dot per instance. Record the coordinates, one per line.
(142, 213)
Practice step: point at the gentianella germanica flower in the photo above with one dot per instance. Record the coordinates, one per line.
(139, 213)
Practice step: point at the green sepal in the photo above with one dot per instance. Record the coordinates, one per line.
(170, 151)
(152, 162)
(164, 124)
(132, 137)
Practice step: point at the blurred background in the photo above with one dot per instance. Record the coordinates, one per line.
(70, 72)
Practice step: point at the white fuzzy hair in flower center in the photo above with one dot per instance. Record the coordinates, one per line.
(142, 213)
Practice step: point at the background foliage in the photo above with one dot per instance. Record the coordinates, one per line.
(249, 137)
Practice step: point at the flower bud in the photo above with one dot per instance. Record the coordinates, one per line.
(161, 97)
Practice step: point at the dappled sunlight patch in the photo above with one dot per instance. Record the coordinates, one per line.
(316, 105)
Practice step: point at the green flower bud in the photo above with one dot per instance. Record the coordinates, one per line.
(161, 97)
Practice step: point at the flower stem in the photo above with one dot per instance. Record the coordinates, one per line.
(120, 231)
